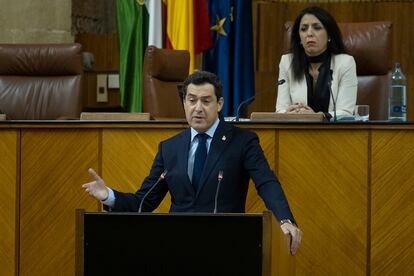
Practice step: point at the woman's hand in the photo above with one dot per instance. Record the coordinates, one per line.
(299, 108)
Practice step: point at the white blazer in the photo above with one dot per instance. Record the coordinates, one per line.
(344, 85)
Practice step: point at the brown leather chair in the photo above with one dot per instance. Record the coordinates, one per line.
(40, 81)
(164, 70)
(370, 45)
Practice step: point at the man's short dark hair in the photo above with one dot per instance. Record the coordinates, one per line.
(202, 77)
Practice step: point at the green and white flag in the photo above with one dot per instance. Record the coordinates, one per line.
(135, 26)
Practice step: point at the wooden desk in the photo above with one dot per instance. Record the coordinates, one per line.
(349, 186)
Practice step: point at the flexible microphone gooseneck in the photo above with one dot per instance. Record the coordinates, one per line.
(162, 177)
(245, 103)
(330, 91)
(219, 178)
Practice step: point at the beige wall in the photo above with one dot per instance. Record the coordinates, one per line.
(35, 21)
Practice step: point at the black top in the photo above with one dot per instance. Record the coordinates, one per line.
(319, 98)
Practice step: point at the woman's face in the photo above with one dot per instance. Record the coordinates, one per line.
(313, 35)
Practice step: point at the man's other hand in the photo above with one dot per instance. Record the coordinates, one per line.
(295, 234)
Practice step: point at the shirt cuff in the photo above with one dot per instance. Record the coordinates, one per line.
(110, 201)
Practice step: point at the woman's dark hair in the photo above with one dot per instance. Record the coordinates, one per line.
(202, 77)
(335, 45)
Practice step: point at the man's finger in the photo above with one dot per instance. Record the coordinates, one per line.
(294, 245)
(94, 174)
(86, 185)
(296, 239)
(285, 231)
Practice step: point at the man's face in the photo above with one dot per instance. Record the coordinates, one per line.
(201, 106)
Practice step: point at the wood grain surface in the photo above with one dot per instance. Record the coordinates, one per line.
(127, 157)
(349, 187)
(54, 165)
(392, 203)
(8, 201)
(324, 175)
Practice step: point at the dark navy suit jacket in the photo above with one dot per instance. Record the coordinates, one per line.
(234, 151)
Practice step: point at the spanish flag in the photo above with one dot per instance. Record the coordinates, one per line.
(188, 27)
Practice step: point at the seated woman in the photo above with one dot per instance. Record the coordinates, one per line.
(317, 63)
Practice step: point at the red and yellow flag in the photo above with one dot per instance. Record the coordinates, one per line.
(188, 27)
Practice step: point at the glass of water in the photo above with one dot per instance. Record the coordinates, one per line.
(362, 113)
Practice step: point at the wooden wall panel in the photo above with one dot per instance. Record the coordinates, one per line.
(266, 92)
(392, 203)
(127, 156)
(106, 53)
(325, 171)
(53, 168)
(8, 204)
(324, 175)
(104, 48)
(268, 28)
(89, 87)
(254, 204)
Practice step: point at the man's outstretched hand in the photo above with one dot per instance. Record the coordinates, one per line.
(97, 188)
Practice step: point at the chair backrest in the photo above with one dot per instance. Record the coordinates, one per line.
(370, 45)
(164, 70)
(40, 81)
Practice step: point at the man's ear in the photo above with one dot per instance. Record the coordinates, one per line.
(220, 103)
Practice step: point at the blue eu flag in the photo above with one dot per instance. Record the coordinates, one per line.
(231, 57)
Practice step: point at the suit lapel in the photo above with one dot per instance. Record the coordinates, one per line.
(221, 138)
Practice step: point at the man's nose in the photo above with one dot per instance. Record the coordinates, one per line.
(198, 105)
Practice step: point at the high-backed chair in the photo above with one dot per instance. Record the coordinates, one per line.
(370, 45)
(40, 81)
(164, 70)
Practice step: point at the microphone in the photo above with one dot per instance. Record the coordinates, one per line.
(162, 177)
(245, 103)
(219, 178)
(330, 91)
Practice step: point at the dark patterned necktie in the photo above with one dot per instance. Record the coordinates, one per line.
(199, 159)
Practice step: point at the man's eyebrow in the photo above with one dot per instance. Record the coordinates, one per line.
(202, 97)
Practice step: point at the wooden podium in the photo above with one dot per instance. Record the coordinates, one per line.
(181, 244)
(286, 117)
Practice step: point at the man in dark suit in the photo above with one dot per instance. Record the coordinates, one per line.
(193, 161)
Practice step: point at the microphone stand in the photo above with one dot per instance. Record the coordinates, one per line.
(241, 105)
(219, 177)
(330, 91)
(162, 177)
(245, 103)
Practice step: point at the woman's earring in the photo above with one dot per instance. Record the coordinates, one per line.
(329, 40)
